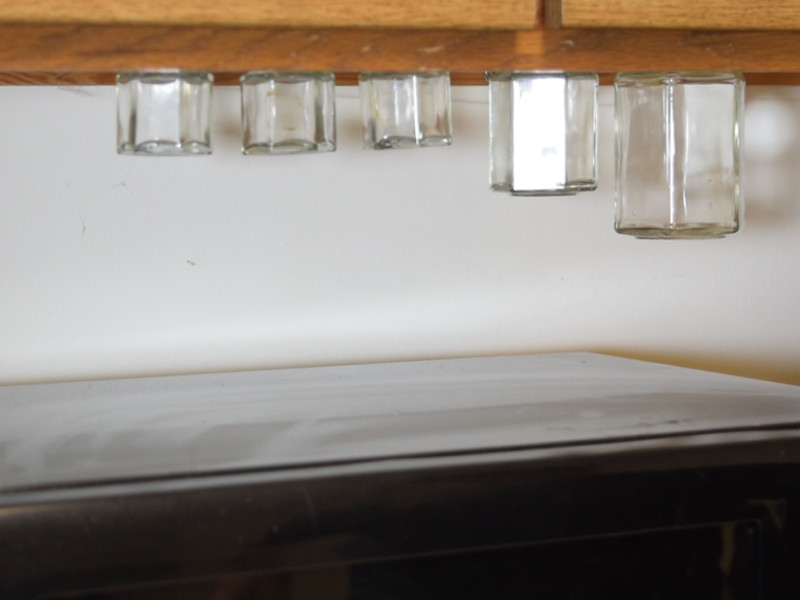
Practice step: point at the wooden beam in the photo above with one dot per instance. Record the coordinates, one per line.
(675, 14)
(73, 52)
(346, 79)
(470, 14)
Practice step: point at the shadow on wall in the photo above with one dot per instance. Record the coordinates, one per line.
(771, 155)
(768, 370)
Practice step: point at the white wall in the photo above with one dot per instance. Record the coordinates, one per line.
(114, 266)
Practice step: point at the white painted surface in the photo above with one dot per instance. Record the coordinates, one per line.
(115, 266)
(68, 433)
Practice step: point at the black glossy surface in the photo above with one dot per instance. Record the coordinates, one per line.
(643, 523)
(680, 563)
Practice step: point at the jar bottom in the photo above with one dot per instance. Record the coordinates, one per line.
(682, 231)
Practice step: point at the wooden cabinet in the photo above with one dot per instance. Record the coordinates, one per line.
(82, 42)
(435, 14)
(676, 14)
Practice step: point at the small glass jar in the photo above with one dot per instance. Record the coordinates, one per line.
(164, 112)
(542, 132)
(405, 110)
(678, 154)
(287, 112)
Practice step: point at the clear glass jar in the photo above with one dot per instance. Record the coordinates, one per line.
(288, 112)
(164, 112)
(678, 154)
(405, 110)
(542, 132)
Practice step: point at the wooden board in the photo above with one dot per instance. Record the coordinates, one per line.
(676, 14)
(346, 79)
(497, 14)
(29, 53)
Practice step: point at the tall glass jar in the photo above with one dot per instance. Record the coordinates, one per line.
(678, 154)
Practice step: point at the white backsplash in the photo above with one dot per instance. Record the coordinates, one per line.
(121, 266)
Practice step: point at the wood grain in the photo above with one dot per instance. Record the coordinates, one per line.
(471, 14)
(346, 79)
(675, 14)
(82, 53)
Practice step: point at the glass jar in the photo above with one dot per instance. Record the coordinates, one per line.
(678, 154)
(164, 112)
(288, 112)
(542, 132)
(405, 110)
